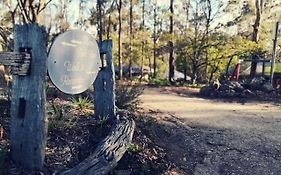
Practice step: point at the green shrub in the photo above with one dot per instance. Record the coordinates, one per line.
(59, 119)
(127, 96)
(158, 82)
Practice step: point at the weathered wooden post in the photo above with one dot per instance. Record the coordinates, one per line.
(28, 121)
(112, 148)
(104, 85)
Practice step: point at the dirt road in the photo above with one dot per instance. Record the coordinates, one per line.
(216, 137)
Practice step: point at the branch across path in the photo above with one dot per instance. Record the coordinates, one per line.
(218, 137)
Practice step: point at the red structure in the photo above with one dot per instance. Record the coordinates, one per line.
(236, 72)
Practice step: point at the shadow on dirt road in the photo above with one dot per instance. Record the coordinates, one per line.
(213, 137)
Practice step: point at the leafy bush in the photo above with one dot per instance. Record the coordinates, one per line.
(127, 96)
(159, 82)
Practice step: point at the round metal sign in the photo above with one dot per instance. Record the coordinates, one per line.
(74, 61)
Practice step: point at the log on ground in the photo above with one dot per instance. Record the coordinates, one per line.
(109, 151)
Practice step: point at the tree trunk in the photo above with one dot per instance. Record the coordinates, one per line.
(171, 45)
(255, 36)
(212, 73)
(131, 39)
(100, 27)
(109, 22)
(187, 5)
(108, 27)
(142, 42)
(208, 20)
(194, 74)
(154, 43)
(119, 40)
(185, 74)
(227, 66)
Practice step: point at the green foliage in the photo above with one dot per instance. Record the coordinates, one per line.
(195, 54)
(127, 96)
(195, 85)
(57, 111)
(103, 120)
(81, 102)
(159, 82)
(134, 148)
(145, 167)
(57, 120)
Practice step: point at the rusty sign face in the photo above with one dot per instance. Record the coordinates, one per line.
(74, 61)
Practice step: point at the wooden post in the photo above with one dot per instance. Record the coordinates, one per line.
(104, 85)
(274, 52)
(28, 121)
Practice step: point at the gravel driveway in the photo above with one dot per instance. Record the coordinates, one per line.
(220, 138)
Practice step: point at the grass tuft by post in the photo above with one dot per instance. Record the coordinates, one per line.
(81, 102)
(127, 96)
(134, 148)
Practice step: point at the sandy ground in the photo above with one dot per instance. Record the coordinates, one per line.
(220, 137)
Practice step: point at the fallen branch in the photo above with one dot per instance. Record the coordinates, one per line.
(109, 151)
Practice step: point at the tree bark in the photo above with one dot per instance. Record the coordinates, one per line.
(109, 21)
(100, 28)
(228, 65)
(154, 43)
(142, 42)
(119, 40)
(208, 20)
(194, 73)
(255, 36)
(131, 39)
(171, 45)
